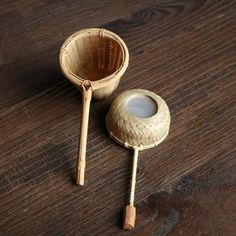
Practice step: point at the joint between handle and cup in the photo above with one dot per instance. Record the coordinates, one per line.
(87, 86)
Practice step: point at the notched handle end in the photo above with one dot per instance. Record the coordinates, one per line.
(129, 217)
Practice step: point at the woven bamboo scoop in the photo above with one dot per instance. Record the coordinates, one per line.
(137, 119)
(94, 60)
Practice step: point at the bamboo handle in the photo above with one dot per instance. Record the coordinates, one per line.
(130, 210)
(81, 161)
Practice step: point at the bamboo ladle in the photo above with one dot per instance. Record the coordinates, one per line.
(137, 119)
(94, 60)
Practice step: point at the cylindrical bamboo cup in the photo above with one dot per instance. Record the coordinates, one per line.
(137, 119)
(94, 60)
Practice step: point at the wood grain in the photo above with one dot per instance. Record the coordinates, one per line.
(185, 51)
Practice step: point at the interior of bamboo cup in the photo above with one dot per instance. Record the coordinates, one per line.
(142, 106)
(93, 57)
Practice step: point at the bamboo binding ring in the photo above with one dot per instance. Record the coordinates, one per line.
(138, 132)
(93, 60)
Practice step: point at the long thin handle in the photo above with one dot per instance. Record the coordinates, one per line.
(81, 160)
(130, 210)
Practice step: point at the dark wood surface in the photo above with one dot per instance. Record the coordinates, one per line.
(185, 51)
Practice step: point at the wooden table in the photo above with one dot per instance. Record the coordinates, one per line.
(185, 51)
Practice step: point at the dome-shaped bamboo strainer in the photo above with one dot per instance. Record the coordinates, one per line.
(94, 60)
(137, 119)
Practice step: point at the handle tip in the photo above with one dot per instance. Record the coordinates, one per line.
(80, 183)
(80, 176)
(129, 217)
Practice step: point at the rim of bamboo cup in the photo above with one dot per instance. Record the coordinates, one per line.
(101, 83)
(104, 85)
(129, 131)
